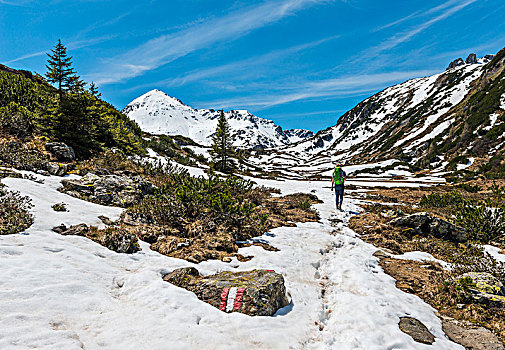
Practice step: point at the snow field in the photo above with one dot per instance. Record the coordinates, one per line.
(67, 292)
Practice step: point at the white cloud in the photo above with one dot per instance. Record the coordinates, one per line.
(320, 89)
(167, 48)
(240, 70)
(73, 45)
(449, 7)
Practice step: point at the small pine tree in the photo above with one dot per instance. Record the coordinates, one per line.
(93, 90)
(241, 160)
(223, 154)
(76, 84)
(60, 71)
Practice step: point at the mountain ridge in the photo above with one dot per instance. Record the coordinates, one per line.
(159, 113)
(407, 122)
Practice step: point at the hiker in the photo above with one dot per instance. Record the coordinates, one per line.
(338, 179)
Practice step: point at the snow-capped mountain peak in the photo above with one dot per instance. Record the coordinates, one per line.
(159, 96)
(158, 113)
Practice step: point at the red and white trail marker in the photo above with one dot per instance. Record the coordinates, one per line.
(231, 299)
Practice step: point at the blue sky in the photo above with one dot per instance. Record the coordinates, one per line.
(301, 63)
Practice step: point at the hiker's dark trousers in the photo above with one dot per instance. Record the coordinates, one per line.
(339, 194)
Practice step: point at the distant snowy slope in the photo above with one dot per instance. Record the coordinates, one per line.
(420, 122)
(158, 113)
(397, 116)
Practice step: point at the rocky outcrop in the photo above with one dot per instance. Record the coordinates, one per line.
(61, 151)
(456, 63)
(112, 190)
(254, 293)
(488, 58)
(416, 329)
(425, 223)
(471, 59)
(483, 288)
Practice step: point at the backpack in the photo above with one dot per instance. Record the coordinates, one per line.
(338, 176)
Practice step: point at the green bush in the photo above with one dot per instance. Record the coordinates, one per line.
(305, 204)
(166, 146)
(184, 199)
(17, 120)
(435, 200)
(483, 220)
(19, 156)
(470, 188)
(457, 160)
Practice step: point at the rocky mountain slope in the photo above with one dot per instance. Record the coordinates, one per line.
(428, 122)
(158, 113)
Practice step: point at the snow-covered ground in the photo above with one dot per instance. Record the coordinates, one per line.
(66, 292)
(495, 252)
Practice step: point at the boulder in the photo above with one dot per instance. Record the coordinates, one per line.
(416, 329)
(113, 190)
(57, 169)
(471, 59)
(61, 151)
(483, 288)
(470, 335)
(254, 293)
(425, 223)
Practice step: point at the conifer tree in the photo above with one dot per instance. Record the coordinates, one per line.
(241, 159)
(223, 154)
(60, 70)
(76, 84)
(93, 90)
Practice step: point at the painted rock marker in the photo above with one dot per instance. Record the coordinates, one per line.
(254, 293)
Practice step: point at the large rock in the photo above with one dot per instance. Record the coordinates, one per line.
(58, 169)
(470, 335)
(425, 223)
(61, 151)
(416, 329)
(483, 288)
(255, 293)
(113, 190)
